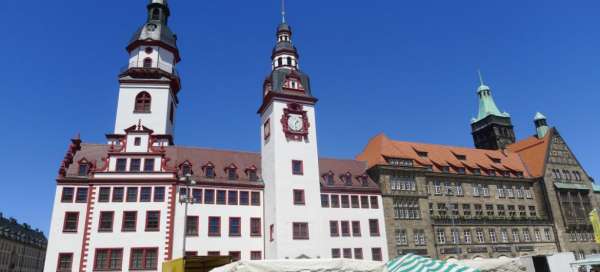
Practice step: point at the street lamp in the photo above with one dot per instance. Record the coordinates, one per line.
(186, 200)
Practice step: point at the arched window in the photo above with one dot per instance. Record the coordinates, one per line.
(155, 14)
(142, 102)
(148, 63)
(289, 61)
(279, 62)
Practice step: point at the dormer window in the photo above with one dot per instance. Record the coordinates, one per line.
(491, 173)
(84, 168)
(364, 181)
(137, 141)
(460, 170)
(422, 154)
(347, 178)
(186, 168)
(445, 169)
(251, 173)
(476, 171)
(460, 157)
(328, 178)
(209, 172)
(231, 172)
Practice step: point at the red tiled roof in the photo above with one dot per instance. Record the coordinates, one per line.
(381, 147)
(533, 152)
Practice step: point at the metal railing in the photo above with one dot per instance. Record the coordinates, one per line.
(155, 66)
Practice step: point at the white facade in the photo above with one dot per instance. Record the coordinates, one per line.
(132, 218)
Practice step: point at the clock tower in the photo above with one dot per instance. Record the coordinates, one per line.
(290, 163)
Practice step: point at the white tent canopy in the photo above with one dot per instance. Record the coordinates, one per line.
(303, 265)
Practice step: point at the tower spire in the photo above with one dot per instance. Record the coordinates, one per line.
(283, 11)
(480, 77)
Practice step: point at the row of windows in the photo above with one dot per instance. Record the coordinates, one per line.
(347, 201)
(346, 253)
(347, 179)
(403, 183)
(466, 236)
(581, 236)
(406, 208)
(118, 194)
(502, 191)
(418, 237)
(442, 209)
(566, 175)
(111, 259)
(106, 221)
(209, 171)
(235, 255)
(345, 228)
(135, 165)
(459, 170)
(221, 197)
(214, 226)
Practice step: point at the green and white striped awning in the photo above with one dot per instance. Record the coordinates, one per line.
(415, 263)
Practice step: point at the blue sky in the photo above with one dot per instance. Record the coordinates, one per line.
(406, 68)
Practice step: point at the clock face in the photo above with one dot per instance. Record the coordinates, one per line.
(295, 123)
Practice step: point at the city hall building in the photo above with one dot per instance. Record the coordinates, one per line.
(139, 199)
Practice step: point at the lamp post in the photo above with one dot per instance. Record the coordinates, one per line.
(186, 199)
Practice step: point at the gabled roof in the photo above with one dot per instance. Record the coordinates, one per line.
(533, 151)
(380, 148)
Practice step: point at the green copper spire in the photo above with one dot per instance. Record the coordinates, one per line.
(487, 106)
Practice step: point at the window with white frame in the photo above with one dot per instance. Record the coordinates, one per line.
(441, 236)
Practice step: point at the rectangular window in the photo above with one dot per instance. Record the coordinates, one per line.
(358, 254)
(214, 226)
(159, 194)
(493, 237)
(191, 226)
(401, 238)
(232, 197)
(345, 201)
(299, 197)
(135, 164)
(252, 176)
(108, 259)
(209, 196)
(213, 253)
(300, 231)
(335, 253)
(82, 195)
(335, 201)
(137, 141)
(255, 255)
(374, 227)
(106, 222)
(547, 235)
(334, 230)
(374, 202)
(221, 197)
(146, 194)
(244, 198)
(129, 221)
(197, 195)
(71, 221)
(65, 262)
(67, 195)
(255, 227)
(364, 202)
(149, 165)
(235, 228)
(347, 253)
(345, 225)
(235, 255)
(132, 193)
(143, 259)
(104, 194)
(297, 167)
(255, 198)
(271, 232)
(152, 220)
(191, 253)
(324, 200)
(441, 236)
(121, 165)
(354, 201)
(117, 194)
(376, 253)
(232, 174)
(356, 228)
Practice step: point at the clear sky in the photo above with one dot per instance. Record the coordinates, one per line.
(406, 68)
